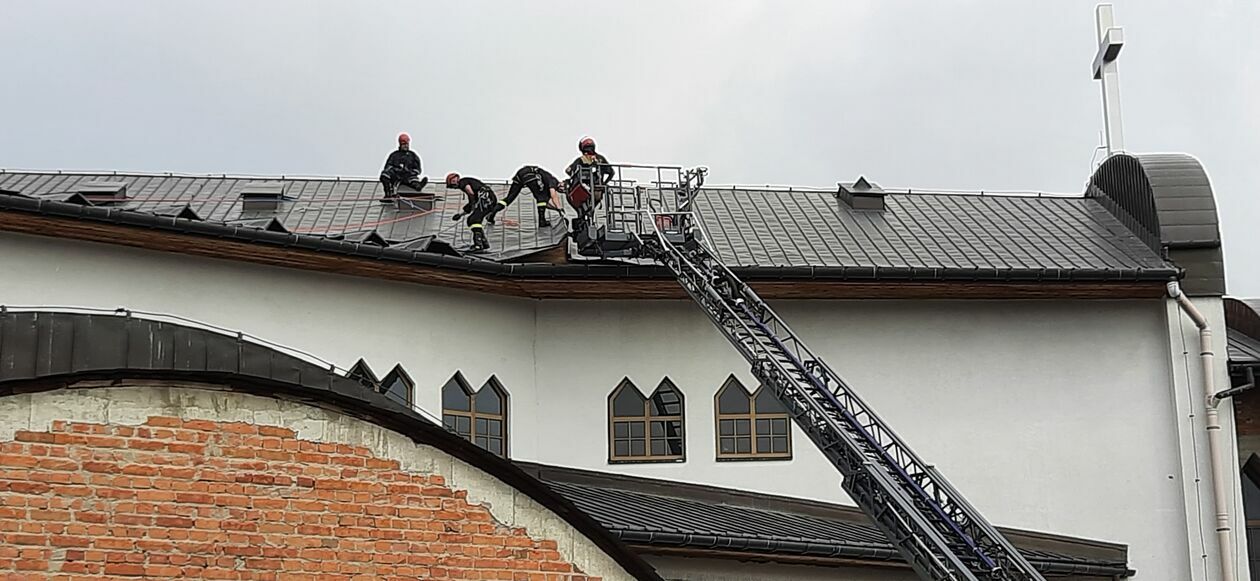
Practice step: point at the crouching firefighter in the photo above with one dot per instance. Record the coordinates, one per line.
(541, 184)
(480, 204)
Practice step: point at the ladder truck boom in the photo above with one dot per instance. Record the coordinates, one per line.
(939, 534)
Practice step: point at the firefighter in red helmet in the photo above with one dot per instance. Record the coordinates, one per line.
(585, 186)
(402, 167)
(590, 166)
(480, 203)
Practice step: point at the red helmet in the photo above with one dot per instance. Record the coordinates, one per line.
(452, 180)
(404, 138)
(586, 145)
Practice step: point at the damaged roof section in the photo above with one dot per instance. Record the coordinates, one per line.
(337, 208)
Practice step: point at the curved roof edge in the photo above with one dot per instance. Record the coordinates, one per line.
(1242, 330)
(46, 350)
(1167, 200)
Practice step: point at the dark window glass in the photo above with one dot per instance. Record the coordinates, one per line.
(780, 445)
(454, 397)
(763, 445)
(726, 427)
(637, 448)
(733, 400)
(767, 403)
(779, 427)
(621, 448)
(628, 402)
(448, 421)
(636, 430)
(666, 402)
(488, 400)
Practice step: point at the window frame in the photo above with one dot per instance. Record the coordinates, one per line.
(399, 374)
(646, 421)
(752, 416)
(473, 415)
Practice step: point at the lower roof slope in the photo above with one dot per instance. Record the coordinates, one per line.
(673, 515)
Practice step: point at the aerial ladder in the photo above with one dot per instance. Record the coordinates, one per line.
(939, 534)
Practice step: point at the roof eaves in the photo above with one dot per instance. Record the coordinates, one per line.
(593, 271)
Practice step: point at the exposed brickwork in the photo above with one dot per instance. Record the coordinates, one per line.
(218, 500)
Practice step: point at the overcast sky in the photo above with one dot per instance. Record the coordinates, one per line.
(963, 95)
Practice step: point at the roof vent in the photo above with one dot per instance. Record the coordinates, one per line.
(367, 237)
(183, 212)
(262, 196)
(862, 195)
(268, 224)
(103, 193)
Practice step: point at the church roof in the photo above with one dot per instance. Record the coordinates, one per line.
(659, 514)
(1115, 232)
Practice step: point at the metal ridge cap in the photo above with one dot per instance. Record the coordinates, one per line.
(787, 188)
(218, 176)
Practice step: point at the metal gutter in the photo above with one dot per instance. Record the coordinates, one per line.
(823, 549)
(315, 243)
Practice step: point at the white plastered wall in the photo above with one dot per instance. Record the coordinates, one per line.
(1056, 416)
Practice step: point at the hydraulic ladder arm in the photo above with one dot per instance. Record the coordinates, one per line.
(935, 529)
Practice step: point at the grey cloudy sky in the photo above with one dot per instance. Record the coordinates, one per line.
(964, 94)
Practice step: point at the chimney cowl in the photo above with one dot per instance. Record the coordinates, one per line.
(861, 194)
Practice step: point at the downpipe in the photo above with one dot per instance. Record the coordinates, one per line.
(1225, 548)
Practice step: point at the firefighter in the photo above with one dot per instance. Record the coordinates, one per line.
(541, 184)
(587, 176)
(590, 167)
(402, 167)
(480, 204)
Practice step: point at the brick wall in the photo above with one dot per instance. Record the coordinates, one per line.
(211, 499)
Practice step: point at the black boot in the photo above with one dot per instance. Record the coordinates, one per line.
(480, 244)
(417, 185)
(389, 190)
(543, 222)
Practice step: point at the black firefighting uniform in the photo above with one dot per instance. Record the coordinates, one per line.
(593, 171)
(401, 167)
(540, 183)
(479, 204)
(595, 166)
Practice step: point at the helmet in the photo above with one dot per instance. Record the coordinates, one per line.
(452, 180)
(586, 145)
(404, 138)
